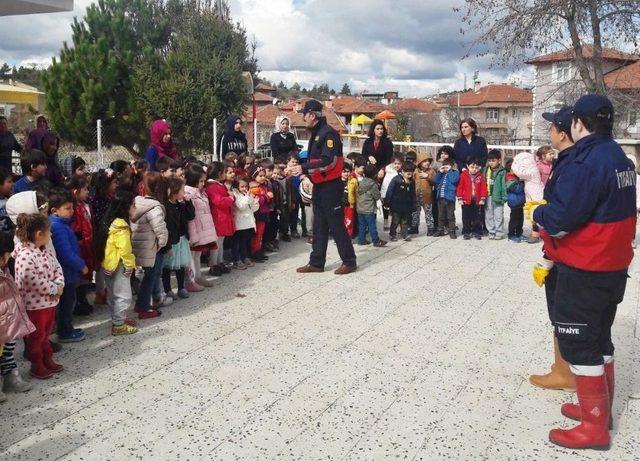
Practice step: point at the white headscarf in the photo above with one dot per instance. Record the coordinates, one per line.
(279, 120)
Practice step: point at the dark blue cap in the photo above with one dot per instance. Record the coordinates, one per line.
(562, 119)
(593, 105)
(312, 106)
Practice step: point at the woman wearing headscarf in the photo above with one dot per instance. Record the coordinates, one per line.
(161, 144)
(233, 139)
(283, 141)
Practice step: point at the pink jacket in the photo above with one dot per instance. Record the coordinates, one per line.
(38, 276)
(14, 321)
(545, 170)
(201, 228)
(221, 203)
(524, 167)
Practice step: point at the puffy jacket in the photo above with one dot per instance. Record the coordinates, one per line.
(525, 167)
(368, 196)
(424, 186)
(149, 231)
(496, 184)
(446, 184)
(118, 249)
(352, 190)
(67, 248)
(590, 220)
(468, 184)
(515, 191)
(244, 207)
(545, 170)
(82, 225)
(221, 205)
(389, 173)
(260, 192)
(201, 228)
(401, 195)
(38, 275)
(14, 321)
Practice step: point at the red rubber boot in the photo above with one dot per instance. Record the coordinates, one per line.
(593, 431)
(572, 411)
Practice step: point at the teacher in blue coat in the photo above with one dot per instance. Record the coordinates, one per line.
(469, 144)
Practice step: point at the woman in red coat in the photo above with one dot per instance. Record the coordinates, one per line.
(219, 180)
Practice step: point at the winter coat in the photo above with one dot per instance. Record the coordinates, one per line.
(149, 230)
(201, 228)
(463, 150)
(401, 195)
(496, 184)
(118, 248)
(382, 154)
(515, 191)
(244, 208)
(545, 170)
(221, 205)
(260, 192)
(446, 184)
(8, 144)
(178, 216)
(424, 186)
(232, 141)
(14, 321)
(38, 275)
(282, 144)
(67, 248)
(82, 225)
(368, 195)
(389, 173)
(524, 167)
(471, 189)
(352, 190)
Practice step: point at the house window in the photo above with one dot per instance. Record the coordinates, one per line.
(562, 72)
(633, 117)
(492, 114)
(514, 112)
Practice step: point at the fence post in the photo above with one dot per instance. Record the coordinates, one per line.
(215, 139)
(99, 132)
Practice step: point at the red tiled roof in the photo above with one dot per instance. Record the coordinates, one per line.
(493, 94)
(624, 78)
(264, 87)
(267, 115)
(347, 105)
(263, 97)
(413, 105)
(609, 54)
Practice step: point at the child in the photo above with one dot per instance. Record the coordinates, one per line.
(282, 203)
(516, 200)
(306, 195)
(33, 163)
(245, 206)
(40, 281)
(525, 167)
(425, 179)
(269, 239)
(544, 160)
(15, 322)
(166, 166)
(220, 177)
(497, 195)
(179, 213)
(202, 232)
(446, 183)
(149, 237)
(391, 171)
(401, 200)
(6, 186)
(114, 252)
(296, 207)
(68, 253)
(72, 166)
(350, 184)
(472, 195)
(444, 153)
(138, 171)
(82, 225)
(261, 191)
(367, 198)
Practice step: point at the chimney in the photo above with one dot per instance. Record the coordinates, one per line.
(476, 86)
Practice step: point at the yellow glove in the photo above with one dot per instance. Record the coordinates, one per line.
(530, 207)
(541, 271)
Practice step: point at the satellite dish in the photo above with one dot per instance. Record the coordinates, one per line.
(247, 81)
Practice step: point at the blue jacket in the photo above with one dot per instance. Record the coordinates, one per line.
(590, 220)
(446, 184)
(22, 185)
(67, 248)
(462, 150)
(151, 157)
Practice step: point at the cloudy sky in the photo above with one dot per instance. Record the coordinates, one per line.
(410, 46)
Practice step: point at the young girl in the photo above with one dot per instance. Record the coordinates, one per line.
(149, 237)
(524, 167)
(114, 252)
(139, 169)
(544, 160)
(179, 213)
(102, 189)
(221, 178)
(82, 225)
(260, 190)
(14, 321)
(202, 232)
(41, 282)
(245, 223)
(516, 200)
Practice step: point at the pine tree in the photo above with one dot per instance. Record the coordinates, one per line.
(346, 90)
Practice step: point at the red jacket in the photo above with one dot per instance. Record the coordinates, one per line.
(83, 227)
(221, 203)
(466, 184)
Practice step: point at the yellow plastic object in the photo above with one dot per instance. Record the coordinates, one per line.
(540, 274)
(529, 208)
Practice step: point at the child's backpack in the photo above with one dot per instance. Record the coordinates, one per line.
(515, 194)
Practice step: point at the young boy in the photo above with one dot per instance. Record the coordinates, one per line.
(366, 204)
(401, 200)
(296, 206)
(67, 249)
(270, 240)
(472, 195)
(516, 199)
(390, 171)
(425, 179)
(281, 202)
(33, 164)
(497, 195)
(446, 183)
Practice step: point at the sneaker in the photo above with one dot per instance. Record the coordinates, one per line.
(379, 243)
(285, 238)
(183, 294)
(393, 238)
(14, 383)
(193, 287)
(366, 242)
(478, 236)
(295, 235)
(171, 294)
(75, 336)
(439, 233)
(215, 271)
(166, 301)
(204, 282)
(124, 329)
(407, 238)
(247, 262)
(431, 232)
(39, 371)
(149, 314)
(225, 269)
(52, 366)
(533, 239)
(453, 235)
(239, 266)
(466, 236)
(492, 237)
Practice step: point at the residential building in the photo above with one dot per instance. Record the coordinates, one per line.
(419, 119)
(19, 102)
(15, 7)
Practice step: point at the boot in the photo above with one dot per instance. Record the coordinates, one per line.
(52, 365)
(572, 411)
(560, 377)
(39, 371)
(13, 382)
(593, 431)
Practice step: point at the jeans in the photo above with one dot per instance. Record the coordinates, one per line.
(400, 219)
(148, 283)
(367, 222)
(119, 295)
(241, 248)
(64, 311)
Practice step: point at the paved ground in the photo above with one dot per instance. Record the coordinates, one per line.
(422, 354)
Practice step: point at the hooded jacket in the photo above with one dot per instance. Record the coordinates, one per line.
(524, 167)
(158, 148)
(232, 140)
(24, 202)
(67, 248)
(14, 321)
(38, 275)
(367, 196)
(149, 230)
(424, 186)
(244, 208)
(221, 205)
(201, 228)
(282, 143)
(496, 184)
(118, 248)
(472, 188)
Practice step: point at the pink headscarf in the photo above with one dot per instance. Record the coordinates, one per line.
(158, 129)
